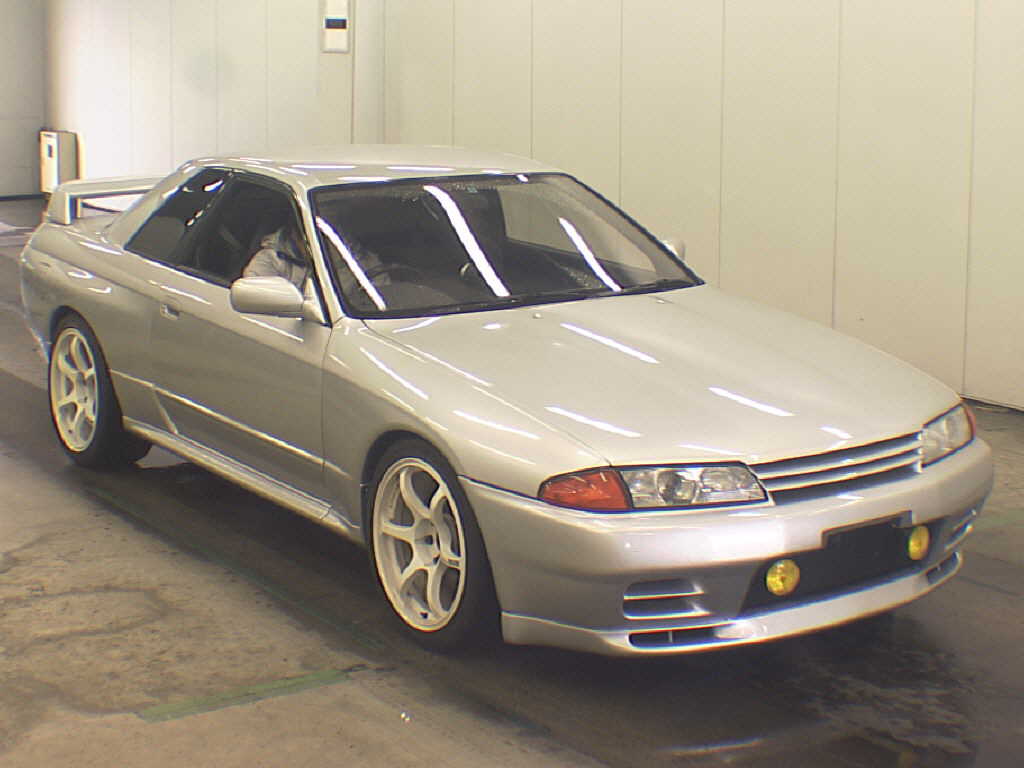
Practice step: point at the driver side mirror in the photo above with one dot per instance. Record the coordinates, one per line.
(273, 296)
(677, 246)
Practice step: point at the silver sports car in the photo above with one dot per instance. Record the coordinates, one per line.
(538, 420)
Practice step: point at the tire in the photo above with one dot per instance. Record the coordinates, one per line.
(83, 407)
(427, 551)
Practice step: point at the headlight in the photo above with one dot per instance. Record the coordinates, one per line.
(946, 434)
(620, 490)
(691, 486)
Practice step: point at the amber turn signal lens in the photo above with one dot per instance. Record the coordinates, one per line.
(782, 578)
(918, 542)
(598, 489)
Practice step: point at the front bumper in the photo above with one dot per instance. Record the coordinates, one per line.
(669, 582)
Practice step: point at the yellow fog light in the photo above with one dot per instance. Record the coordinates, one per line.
(782, 577)
(917, 544)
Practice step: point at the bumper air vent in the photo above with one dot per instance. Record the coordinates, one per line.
(670, 599)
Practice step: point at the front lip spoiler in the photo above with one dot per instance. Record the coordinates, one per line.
(755, 628)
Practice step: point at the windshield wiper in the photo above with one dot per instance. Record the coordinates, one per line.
(664, 284)
(534, 299)
(505, 302)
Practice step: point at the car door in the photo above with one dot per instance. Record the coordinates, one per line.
(248, 387)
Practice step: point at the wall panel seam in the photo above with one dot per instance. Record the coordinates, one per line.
(533, 53)
(266, 75)
(132, 140)
(451, 79)
(721, 152)
(622, 58)
(353, 23)
(171, 112)
(835, 215)
(970, 195)
(216, 78)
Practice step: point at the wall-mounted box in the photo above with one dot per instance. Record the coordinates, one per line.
(58, 159)
(336, 27)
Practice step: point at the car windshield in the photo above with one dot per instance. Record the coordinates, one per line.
(468, 243)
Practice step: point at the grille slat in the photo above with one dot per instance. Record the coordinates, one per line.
(871, 461)
(823, 476)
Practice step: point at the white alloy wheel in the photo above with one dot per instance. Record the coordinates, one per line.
(419, 545)
(74, 390)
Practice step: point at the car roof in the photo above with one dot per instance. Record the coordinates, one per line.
(362, 163)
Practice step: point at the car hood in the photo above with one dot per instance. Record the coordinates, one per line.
(685, 375)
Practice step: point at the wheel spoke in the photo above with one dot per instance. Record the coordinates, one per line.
(80, 356)
(85, 428)
(65, 399)
(65, 366)
(76, 421)
(407, 575)
(449, 556)
(437, 502)
(433, 590)
(409, 495)
(396, 531)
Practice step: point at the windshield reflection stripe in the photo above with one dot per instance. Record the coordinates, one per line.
(588, 255)
(468, 240)
(353, 265)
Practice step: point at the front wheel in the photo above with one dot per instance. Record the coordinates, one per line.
(427, 550)
(83, 406)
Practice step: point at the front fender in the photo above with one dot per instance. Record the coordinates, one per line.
(373, 386)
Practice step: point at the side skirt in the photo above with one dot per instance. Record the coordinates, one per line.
(316, 509)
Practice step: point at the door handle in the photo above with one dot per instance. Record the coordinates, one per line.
(170, 311)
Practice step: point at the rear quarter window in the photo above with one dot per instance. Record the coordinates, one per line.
(159, 237)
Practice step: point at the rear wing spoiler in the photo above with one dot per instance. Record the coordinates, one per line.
(65, 202)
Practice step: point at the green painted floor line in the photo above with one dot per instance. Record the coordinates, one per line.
(245, 695)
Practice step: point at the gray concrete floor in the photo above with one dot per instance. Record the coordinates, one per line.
(161, 616)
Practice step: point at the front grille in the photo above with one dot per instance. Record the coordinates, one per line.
(884, 461)
(851, 558)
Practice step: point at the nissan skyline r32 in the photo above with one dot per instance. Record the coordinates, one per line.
(533, 414)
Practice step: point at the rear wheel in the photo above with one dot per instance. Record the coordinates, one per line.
(83, 406)
(427, 550)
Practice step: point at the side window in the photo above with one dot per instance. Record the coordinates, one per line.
(181, 214)
(253, 231)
